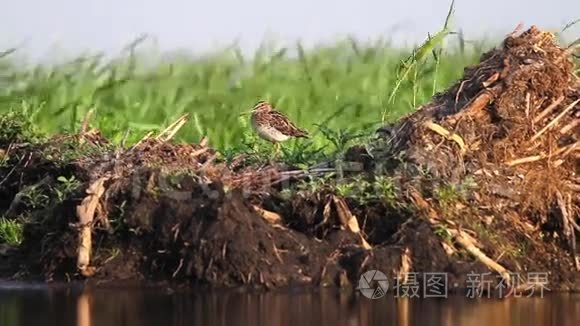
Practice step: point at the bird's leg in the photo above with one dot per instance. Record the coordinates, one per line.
(276, 150)
(272, 159)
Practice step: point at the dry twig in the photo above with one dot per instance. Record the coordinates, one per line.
(549, 109)
(173, 128)
(86, 120)
(555, 121)
(565, 149)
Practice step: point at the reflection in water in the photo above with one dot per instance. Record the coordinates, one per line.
(74, 306)
(84, 310)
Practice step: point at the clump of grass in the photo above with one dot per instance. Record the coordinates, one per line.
(10, 231)
(69, 150)
(361, 190)
(36, 197)
(448, 193)
(16, 126)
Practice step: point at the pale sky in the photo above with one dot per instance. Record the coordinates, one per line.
(108, 25)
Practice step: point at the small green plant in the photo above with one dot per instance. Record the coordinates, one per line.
(363, 191)
(385, 188)
(315, 185)
(10, 231)
(348, 189)
(117, 220)
(355, 188)
(448, 194)
(340, 138)
(287, 193)
(35, 197)
(442, 231)
(72, 149)
(521, 249)
(111, 254)
(65, 186)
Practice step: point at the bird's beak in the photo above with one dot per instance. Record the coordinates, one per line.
(246, 112)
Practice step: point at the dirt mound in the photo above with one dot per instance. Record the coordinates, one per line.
(483, 178)
(515, 114)
(504, 141)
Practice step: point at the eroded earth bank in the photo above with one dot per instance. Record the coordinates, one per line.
(481, 179)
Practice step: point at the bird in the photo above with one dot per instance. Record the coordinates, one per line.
(273, 126)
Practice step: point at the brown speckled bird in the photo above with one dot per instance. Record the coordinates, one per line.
(273, 125)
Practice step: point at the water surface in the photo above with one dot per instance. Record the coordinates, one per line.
(31, 305)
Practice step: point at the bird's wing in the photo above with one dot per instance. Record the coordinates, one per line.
(285, 126)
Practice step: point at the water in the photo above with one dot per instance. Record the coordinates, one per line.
(63, 306)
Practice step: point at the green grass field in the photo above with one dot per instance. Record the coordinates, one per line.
(338, 92)
(344, 88)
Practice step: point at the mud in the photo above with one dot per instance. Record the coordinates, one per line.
(472, 182)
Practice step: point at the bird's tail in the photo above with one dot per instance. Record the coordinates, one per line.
(303, 134)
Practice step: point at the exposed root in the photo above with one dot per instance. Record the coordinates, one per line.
(475, 108)
(445, 133)
(575, 225)
(464, 240)
(268, 216)
(567, 222)
(406, 266)
(348, 220)
(178, 268)
(460, 237)
(86, 212)
(491, 80)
